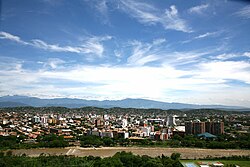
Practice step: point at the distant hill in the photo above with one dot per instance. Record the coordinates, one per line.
(15, 101)
(12, 104)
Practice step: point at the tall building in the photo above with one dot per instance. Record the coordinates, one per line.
(36, 119)
(124, 123)
(217, 128)
(189, 128)
(170, 120)
(208, 127)
(198, 127)
(44, 120)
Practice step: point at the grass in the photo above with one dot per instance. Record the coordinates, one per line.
(240, 163)
(225, 162)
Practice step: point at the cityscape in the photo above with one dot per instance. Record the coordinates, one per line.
(134, 126)
(100, 129)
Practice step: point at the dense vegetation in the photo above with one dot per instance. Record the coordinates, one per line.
(241, 141)
(52, 141)
(120, 159)
(117, 110)
(234, 157)
(222, 142)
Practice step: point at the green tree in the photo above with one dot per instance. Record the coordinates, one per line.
(107, 141)
(175, 156)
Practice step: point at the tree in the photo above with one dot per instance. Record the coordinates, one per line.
(175, 156)
(153, 163)
(107, 141)
(9, 153)
(177, 137)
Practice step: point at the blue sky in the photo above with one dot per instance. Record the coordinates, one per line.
(174, 51)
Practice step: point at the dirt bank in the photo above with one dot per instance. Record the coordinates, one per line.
(186, 153)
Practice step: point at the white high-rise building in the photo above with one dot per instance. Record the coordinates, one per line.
(124, 123)
(170, 120)
(44, 121)
(36, 119)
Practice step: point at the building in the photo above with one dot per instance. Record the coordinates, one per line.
(217, 128)
(155, 121)
(206, 135)
(123, 135)
(146, 131)
(170, 121)
(44, 121)
(95, 132)
(189, 128)
(108, 134)
(208, 127)
(198, 127)
(99, 123)
(36, 119)
(5, 121)
(179, 130)
(124, 123)
(164, 136)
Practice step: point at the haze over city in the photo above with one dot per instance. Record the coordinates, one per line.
(196, 52)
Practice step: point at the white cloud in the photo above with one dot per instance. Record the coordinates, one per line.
(10, 63)
(139, 59)
(149, 15)
(102, 8)
(118, 53)
(92, 45)
(5, 35)
(225, 70)
(205, 35)
(144, 12)
(244, 12)
(159, 41)
(184, 58)
(222, 96)
(143, 53)
(198, 9)
(53, 63)
(171, 20)
(247, 54)
(206, 81)
(55, 48)
(208, 34)
(226, 56)
(158, 53)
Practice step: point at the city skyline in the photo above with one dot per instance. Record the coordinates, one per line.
(196, 52)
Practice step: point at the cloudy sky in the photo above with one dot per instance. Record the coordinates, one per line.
(172, 50)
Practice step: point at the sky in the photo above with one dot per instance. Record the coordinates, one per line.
(182, 51)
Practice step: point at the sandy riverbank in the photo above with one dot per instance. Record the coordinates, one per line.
(186, 153)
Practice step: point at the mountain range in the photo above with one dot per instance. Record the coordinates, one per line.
(17, 101)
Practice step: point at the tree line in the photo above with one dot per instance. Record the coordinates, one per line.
(53, 141)
(120, 159)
